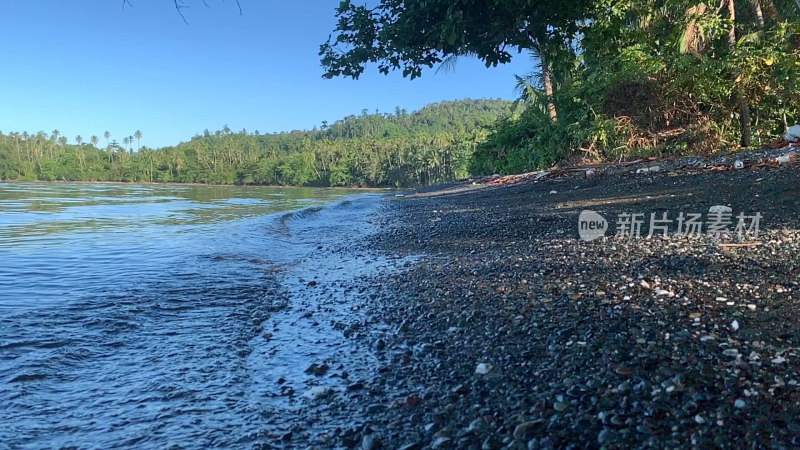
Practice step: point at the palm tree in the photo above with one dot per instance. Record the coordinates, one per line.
(130, 143)
(125, 141)
(138, 136)
(79, 140)
(107, 135)
(148, 156)
(79, 155)
(15, 135)
(25, 137)
(54, 139)
(177, 163)
(94, 141)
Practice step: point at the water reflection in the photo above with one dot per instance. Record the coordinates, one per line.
(59, 241)
(41, 209)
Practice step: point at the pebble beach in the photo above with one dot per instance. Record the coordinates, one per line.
(512, 332)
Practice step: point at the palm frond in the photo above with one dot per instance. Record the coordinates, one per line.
(448, 64)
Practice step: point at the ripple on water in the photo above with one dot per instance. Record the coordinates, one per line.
(133, 365)
(142, 335)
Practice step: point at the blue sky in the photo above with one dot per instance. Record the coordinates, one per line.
(87, 66)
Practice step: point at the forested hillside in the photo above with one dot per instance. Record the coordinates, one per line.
(610, 79)
(431, 145)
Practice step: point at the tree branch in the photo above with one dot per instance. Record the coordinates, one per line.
(180, 5)
(238, 5)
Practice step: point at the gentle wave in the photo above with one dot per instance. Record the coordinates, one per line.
(137, 327)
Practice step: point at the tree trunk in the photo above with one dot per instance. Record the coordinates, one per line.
(744, 102)
(547, 80)
(744, 120)
(732, 31)
(759, 14)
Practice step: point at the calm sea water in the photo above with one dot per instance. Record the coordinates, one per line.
(128, 313)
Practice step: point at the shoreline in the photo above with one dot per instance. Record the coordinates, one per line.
(221, 331)
(473, 316)
(156, 183)
(509, 331)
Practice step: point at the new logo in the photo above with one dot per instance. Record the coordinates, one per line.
(591, 225)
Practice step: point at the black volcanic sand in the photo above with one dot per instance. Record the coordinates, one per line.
(613, 343)
(618, 342)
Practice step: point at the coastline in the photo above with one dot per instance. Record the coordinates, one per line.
(473, 316)
(509, 331)
(158, 183)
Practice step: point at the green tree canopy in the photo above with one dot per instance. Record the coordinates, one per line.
(410, 35)
(414, 34)
(431, 145)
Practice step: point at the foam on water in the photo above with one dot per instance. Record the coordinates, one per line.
(136, 315)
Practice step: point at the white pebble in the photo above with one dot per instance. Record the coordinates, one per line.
(735, 325)
(483, 369)
(317, 392)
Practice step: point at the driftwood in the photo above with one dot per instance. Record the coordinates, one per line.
(752, 164)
